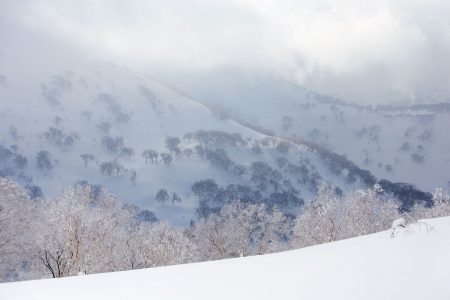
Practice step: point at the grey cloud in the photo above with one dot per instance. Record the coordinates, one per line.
(357, 49)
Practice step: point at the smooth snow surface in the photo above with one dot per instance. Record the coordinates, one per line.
(414, 264)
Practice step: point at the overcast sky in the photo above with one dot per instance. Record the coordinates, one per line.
(363, 50)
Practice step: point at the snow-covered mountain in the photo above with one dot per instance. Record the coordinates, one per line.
(403, 263)
(92, 122)
(402, 143)
(84, 121)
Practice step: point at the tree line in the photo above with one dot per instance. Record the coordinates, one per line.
(87, 230)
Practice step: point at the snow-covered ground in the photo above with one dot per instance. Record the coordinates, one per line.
(414, 264)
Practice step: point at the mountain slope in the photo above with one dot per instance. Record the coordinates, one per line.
(52, 115)
(414, 264)
(400, 143)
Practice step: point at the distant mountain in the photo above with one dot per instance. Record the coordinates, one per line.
(402, 143)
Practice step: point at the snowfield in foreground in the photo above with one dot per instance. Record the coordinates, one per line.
(415, 264)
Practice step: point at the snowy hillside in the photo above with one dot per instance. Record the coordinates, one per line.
(405, 263)
(95, 121)
(399, 143)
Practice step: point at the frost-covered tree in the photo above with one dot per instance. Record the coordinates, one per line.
(441, 201)
(162, 196)
(61, 139)
(34, 191)
(159, 244)
(5, 154)
(84, 230)
(175, 198)
(172, 144)
(79, 233)
(150, 154)
(15, 227)
(166, 158)
(145, 215)
(418, 158)
(240, 230)
(200, 151)
(111, 144)
(263, 176)
(329, 218)
(440, 208)
(87, 157)
(219, 158)
(238, 170)
(133, 176)
(128, 152)
(111, 168)
(282, 162)
(319, 221)
(20, 161)
(44, 160)
(107, 168)
(367, 211)
(104, 127)
(205, 189)
(283, 147)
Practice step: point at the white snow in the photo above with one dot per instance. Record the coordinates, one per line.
(415, 264)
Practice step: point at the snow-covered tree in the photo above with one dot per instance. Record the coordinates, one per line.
(319, 220)
(162, 196)
(283, 147)
(133, 176)
(329, 218)
(175, 198)
(240, 230)
(87, 157)
(150, 154)
(79, 232)
(441, 201)
(111, 144)
(44, 160)
(20, 161)
(104, 127)
(440, 208)
(167, 158)
(15, 217)
(128, 152)
(111, 168)
(159, 244)
(172, 144)
(366, 212)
